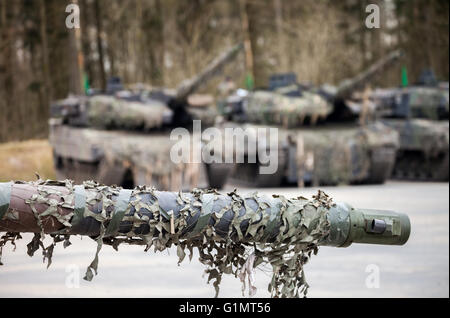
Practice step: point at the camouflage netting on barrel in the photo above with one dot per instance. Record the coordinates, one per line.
(233, 234)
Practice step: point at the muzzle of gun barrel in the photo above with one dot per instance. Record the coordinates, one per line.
(349, 225)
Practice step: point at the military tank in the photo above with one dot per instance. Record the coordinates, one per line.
(324, 137)
(121, 136)
(420, 114)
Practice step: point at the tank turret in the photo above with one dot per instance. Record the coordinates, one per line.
(320, 140)
(121, 136)
(419, 113)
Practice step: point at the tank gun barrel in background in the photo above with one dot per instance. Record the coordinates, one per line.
(348, 86)
(88, 209)
(189, 86)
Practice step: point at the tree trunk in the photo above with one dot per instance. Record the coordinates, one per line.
(48, 95)
(247, 38)
(101, 62)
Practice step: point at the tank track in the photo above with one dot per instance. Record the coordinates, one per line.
(413, 165)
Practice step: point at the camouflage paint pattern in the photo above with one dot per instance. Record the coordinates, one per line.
(331, 155)
(415, 134)
(413, 102)
(428, 102)
(346, 155)
(274, 108)
(109, 112)
(424, 149)
(147, 157)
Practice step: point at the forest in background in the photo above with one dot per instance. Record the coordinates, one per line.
(162, 42)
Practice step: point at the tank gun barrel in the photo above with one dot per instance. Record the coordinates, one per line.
(91, 209)
(189, 86)
(347, 86)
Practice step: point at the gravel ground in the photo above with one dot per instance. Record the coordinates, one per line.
(418, 269)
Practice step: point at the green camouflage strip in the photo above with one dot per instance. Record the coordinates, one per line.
(206, 211)
(121, 207)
